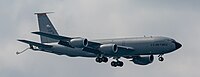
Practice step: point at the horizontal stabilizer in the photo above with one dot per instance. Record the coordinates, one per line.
(57, 37)
(35, 44)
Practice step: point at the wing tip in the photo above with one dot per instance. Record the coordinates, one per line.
(20, 40)
(35, 32)
(42, 13)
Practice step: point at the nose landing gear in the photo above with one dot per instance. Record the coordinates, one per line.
(160, 58)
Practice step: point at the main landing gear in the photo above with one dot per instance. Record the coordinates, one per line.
(160, 58)
(117, 63)
(113, 63)
(102, 59)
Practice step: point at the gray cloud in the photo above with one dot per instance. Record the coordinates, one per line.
(99, 19)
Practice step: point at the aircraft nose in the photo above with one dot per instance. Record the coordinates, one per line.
(178, 45)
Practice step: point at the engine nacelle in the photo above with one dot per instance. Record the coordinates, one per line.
(143, 60)
(108, 48)
(78, 42)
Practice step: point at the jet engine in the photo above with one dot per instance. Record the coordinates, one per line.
(143, 60)
(108, 48)
(78, 42)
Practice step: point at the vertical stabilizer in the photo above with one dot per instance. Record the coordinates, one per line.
(46, 26)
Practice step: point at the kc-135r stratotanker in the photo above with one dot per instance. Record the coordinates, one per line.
(139, 50)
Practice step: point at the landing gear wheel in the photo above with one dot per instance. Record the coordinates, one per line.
(104, 59)
(118, 63)
(161, 59)
(114, 64)
(98, 59)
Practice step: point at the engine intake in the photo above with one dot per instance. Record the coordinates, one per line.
(78, 42)
(143, 60)
(108, 48)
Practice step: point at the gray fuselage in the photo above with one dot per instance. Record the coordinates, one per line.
(141, 45)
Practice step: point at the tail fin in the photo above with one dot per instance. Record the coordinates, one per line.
(46, 26)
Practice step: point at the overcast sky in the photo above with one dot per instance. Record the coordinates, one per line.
(178, 19)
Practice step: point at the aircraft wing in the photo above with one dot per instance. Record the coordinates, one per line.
(92, 47)
(91, 50)
(35, 44)
(64, 38)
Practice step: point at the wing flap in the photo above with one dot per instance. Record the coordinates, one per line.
(91, 50)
